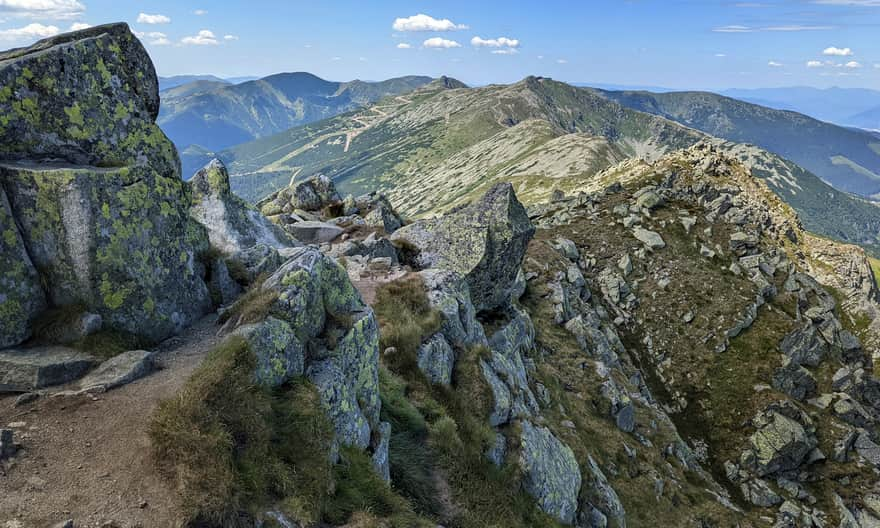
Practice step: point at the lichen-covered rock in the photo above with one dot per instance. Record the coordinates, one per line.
(779, 444)
(280, 355)
(86, 98)
(385, 217)
(550, 472)
(436, 360)
(348, 383)
(794, 380)
(117, 240)
(224, 290)
(312, 287)
(233, 225)
(505, 370)
(484, 242)
(257, 260)
(118, 371)
(448, 293)
(339, 337)
(95, 185)
(313, 194)
(21, 297)
(381, 461)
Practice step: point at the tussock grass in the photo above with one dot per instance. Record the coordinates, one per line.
(232, 447)
(252, 307)
(440, 434)
(406, 319)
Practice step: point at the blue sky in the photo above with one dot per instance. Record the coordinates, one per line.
(705, 44)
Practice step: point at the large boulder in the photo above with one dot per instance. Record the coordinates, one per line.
(21, 297)
(313, 194)
(233, 225)
(95, 185)
(485, 242)
(117, 240)
(550, 472)
(85, 98)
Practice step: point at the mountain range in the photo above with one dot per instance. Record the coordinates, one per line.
(444, 143)
(842, 106)
(213, 114)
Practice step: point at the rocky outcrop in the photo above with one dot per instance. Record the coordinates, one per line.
(484, 242)
(94, 184)
(319, 327)
(233, 225)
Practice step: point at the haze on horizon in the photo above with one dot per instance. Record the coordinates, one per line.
(679, 44)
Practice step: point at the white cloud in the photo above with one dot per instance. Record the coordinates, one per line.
(200, 12)
(440, 43)
(774, 64)
(403, 45)
(852, 65)
(423, 22)
(508, 51)
(154, 38)
(362, 59)
(79, 26)
(814, 64)
(877, 65)
(54, 9)
(204, 38)
(561, 61)
(336, 58)
(862, 3)
(837, 52)
(733, 29)
(721, 55)
(540, 57)
(500, 42)
(230, 37)
(144, 18)
(29, 32)
(787, 28)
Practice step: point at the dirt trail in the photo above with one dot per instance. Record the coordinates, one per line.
(87, 458)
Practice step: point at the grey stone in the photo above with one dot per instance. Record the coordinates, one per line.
(233, 225)
(257, 260)
(119, 370)
(651, 239)
(221, 285)
(599, 500)
(380, 452)
(35, 368)
(550, 472)
(484, 242)
(436, 360)
(779, 444)
(794, 380)
(310, 232)
(280, 355)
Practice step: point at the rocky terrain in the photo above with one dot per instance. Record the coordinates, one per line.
(645, 342)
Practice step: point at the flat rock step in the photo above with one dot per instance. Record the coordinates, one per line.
(119, 370)
(309, 232)
(25, 370)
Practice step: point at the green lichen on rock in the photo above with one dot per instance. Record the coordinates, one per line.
(97, 237)
(88, 98)
(21, 297)
(95, 185)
